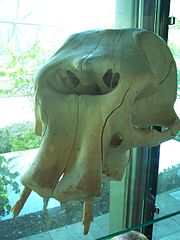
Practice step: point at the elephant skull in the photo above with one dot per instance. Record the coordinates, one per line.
(96, 99)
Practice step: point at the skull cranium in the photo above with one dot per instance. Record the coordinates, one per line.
(96, 99)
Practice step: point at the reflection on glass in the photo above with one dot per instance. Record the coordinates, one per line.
(168, 198)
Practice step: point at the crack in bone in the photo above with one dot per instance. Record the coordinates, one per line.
(167, 75)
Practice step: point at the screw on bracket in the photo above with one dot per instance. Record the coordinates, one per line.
(156, 209)
(171, 20)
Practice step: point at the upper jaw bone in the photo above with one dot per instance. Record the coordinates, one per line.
(82, 176)
(54, 152)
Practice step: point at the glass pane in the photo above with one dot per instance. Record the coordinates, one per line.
(164, 234)
(31, 31)
(168, 229)
(168, 198)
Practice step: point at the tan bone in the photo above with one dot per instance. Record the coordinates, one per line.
(96, 99)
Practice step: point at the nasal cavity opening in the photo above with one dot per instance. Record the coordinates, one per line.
(116, 140)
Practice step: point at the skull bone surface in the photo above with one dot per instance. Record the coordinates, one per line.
(96, 99)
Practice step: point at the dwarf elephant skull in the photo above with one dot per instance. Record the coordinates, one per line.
(96, 99)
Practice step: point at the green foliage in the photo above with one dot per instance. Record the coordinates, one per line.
(28, 140)
(20, 68)
(18, 137)
(5, 145)
(7, 178)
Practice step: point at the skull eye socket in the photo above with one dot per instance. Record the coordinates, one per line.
(73, 78)
(116, 141)
(115, 79)
(107, 78)
(111, 80)
(72, 84)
